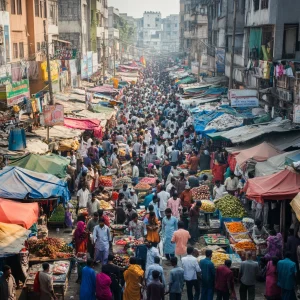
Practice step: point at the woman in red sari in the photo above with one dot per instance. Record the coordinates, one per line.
(273, 291)
(81, 238)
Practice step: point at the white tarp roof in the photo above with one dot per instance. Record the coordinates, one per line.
(273, 164)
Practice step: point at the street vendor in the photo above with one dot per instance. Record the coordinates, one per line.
(186, 197)
(133, 198)
(259, 233)
(93, 205)
(136, 227)
(231, 184)
(125, 191)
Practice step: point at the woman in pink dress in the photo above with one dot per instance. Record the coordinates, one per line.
(175, 204)
(273, 291)
(103, 282)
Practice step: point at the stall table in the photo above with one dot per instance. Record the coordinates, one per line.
(60, 282)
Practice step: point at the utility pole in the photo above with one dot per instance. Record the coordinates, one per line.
(48, 64)
(199, 56)
(103, 56)
(233, 44)
(49, 74)
(114, 46)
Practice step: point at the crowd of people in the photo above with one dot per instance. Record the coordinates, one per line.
(159, 136)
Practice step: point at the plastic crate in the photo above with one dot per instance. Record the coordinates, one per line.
(224, 219)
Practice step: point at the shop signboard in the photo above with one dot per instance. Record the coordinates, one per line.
(53, 115)
(84, 67)
(89, 63)
(296, 118)
(15, 92)
(244, 102)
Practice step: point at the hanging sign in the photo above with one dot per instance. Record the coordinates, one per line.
(53, 115)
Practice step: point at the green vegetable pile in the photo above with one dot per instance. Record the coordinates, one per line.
(58, 214)
(230, 207)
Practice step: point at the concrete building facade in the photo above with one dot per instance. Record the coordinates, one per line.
(170, 34)
(152, 30)
(73, 23)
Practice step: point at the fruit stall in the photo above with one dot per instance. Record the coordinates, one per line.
(59, 271)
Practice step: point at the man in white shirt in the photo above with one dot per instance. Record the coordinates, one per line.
(133, 198)
(135, 173)
(137, 147)
(219, 190)
(83, 196)
(148, 137)
(191, 268)
(102, 238)
(160, 150)
(163, 198)
(231, 184)
(93, 205)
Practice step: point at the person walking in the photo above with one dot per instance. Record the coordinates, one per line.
(133, 277)
(175, 204)
(191, 272)
(208, 276)
(287, 272)
(176, 280)
(248, 272)
(194, 219)
(103, 283)
(155, 290)
(180, 238)
(273, 291)
(7, 285)
(163, 198)
(224, 282)
(155, 267)
(102, 238)
(169, 226)
(114, 273)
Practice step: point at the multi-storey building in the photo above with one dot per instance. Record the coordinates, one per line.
(170, 34)
(152, 30)
(73, 23)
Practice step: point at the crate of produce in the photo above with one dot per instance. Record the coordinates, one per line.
(207, 207)
(216, 239)
(237, 237)
(149, 180)
(200, 193)
(57, 217)
(227, 219)
(142, 187)
(118, 244)
(235, 227)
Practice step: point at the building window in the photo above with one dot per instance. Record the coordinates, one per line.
(13, 7)
(264, 4)
(21, 49)
(19, 7)
(219, 8)
(38, 46)
(256, 5)
(15, 50)
(37, 8)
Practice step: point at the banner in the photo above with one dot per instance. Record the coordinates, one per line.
(89, 63)
(54, 69)
(84, 67)
(244, 102)
(53, 115)
(220, 60)
(73, 68)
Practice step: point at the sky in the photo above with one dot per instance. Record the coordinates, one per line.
(136, 8)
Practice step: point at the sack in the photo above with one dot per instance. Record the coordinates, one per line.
(36, 283)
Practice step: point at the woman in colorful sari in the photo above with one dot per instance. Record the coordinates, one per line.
(275, 245)
(103, 283)
(273, 291)
(133, 278)
(153, 228)
(81, 238)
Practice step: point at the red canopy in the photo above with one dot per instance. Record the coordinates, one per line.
(280, 186)
(23, 214)
(260, 152)
(85, 124)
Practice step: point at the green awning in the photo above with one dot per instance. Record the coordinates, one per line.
(49, 164)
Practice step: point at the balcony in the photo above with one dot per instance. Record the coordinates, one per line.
(198, 34)
(100, 31)
(113, 33)
(202, 19)
(188, 17)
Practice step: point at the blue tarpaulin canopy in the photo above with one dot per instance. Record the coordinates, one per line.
(19, 183)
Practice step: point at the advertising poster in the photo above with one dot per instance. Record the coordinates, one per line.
(53, 115)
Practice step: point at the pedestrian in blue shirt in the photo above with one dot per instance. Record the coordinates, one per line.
(287, 272)
(176, 280)
(208, 276)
